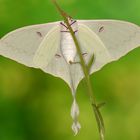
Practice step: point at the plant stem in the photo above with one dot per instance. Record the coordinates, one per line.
(86, 73)
(82, 62)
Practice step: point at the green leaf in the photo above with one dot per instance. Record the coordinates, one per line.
(100, 105)
(90, 63)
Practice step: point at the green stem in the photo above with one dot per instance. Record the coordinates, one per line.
(82, 62)
(86, 73)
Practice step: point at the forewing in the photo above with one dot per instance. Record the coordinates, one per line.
(48, 48)
(118, 37)
(107, 40)
(92, 45)
(21, 44)
(37, 46)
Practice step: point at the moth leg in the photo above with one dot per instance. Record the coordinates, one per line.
(75, 31)
(83, 54)
(65, 31)
(73, 22)
(69, 31)
(70, 62)
(63, 25)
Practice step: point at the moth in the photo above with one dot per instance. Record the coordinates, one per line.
(51, 48)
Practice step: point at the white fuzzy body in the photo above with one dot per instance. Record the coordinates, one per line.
(68, 48)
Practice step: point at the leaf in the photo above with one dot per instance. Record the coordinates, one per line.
(100, 105)
(90, 63)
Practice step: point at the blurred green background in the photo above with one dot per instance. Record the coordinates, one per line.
(36, 106)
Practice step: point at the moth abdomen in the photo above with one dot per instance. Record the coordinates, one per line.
(67, 45)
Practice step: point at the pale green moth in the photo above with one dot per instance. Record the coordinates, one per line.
(50, 47)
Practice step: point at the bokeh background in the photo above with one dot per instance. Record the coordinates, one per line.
(36, 106)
